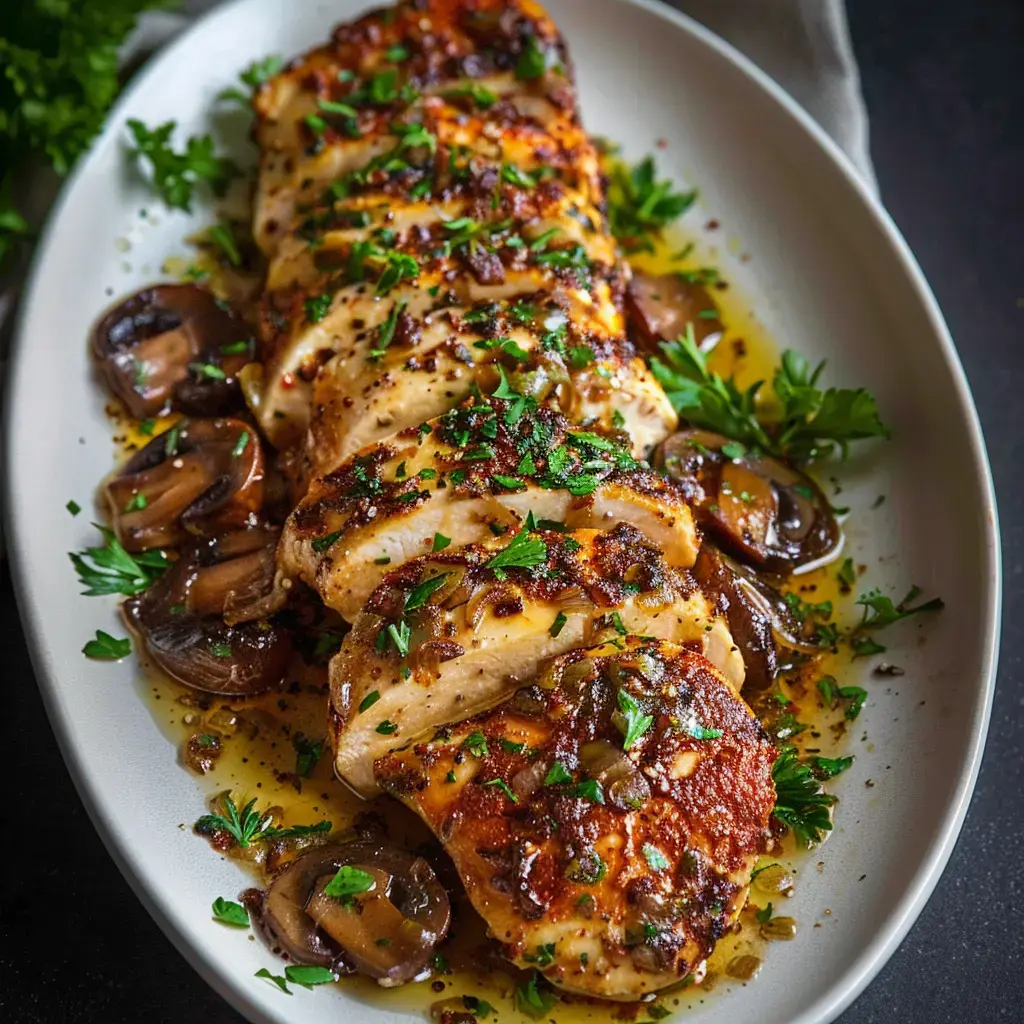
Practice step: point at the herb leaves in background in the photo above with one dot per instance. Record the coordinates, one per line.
(808, 424)
(59, 60)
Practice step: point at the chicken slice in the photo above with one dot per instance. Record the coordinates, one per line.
(451, 634)
(466, 476)
(612, 871)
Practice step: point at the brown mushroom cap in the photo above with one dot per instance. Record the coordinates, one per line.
(199, 478)
(405, 904)
(182, 618)
(659, 306)
(172, 346)
(763, 511)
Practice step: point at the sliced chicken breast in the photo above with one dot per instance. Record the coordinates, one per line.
(465, 477)
(607, 819)
(450, 634)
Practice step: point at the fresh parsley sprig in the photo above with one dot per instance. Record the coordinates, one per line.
(522, 552)
(175, 175)
(247, 825)
(640, 206)
(812, 423)
(800, 801)
(111, 570)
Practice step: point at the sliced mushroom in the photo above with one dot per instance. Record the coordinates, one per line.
(182, 617)
(388, 932)
(763, 511)
(172, 346)
(201, 477)
(660, 306)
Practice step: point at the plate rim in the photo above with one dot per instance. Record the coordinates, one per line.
(905, 911)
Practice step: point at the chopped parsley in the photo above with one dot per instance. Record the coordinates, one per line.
(230, 913)
(111, 570)
(656, 860)
(107, 647)
(631, 719)
(349, 881)
(800, 802)
(557, 774)
(504, 787)
(556, 627)
(522, 552)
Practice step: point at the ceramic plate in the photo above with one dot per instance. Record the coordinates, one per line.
(827, 273)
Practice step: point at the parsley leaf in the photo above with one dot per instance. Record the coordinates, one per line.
(504, 787)
(421, 593)
(640, 206)
(175, 175)
(656, 860)
(349, 881)
(533, 999)
(800, 802)
(522, 552)
(813, 423)
(248, 826)
(111, 570)
(230, 913)
(110, 648)
(631, 720)
(879, 610)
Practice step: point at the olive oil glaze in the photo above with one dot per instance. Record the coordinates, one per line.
(255, 745)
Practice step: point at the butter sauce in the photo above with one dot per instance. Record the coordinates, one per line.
(259, 740)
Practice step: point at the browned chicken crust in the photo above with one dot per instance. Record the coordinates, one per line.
(614, 872)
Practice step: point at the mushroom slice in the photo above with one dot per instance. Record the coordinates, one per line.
(395, 896)
(659, 307)
(451, 634)
(183, 617)
(201, 477)
(172, 346)
(763, 511)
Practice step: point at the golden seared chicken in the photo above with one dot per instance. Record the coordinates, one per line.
(432, 214)
(463, 478)
(450, 634)
(444, 363)
(606, 819)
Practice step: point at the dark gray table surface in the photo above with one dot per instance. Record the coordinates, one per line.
(944, 83)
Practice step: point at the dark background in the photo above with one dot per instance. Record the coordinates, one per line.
(945, 91)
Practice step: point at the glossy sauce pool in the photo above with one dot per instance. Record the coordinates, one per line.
(258, 758)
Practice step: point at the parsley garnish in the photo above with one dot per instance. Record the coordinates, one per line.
(386, 728)
(476, 744)
(879, 610)
(247, 826)
(504, 787)
(258, 72)
(175, 175)
(640, 206)
(556, 627)
(440, 542)
(656, 860)
(532, 62)
(421, 593)
(634, 723)
(349, 881)
(522, 552)
(111, 570)
(557, 774)
(532, 999)
(813, 422)
(316, 308)
(800, 802)
(107, 647)
(230, 913)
